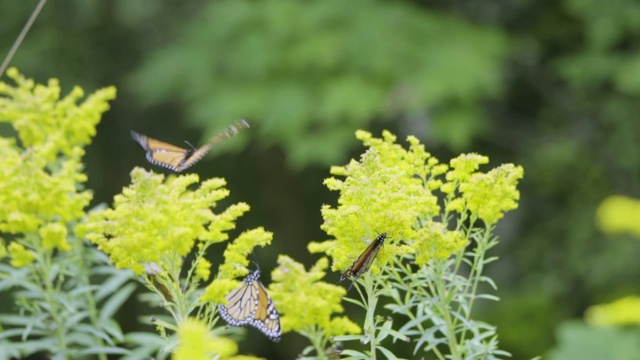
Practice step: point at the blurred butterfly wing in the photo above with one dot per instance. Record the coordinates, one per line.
(251, 305)
(192, 158)
(230, 131)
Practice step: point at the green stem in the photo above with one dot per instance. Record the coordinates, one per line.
(413, 292)
(50, 298)
(371, 302)
(479, 267)
(443, 307)
(81, 255)
(475, 275)
(318, 342)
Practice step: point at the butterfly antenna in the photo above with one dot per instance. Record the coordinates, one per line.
(188, 143)
(255, 262)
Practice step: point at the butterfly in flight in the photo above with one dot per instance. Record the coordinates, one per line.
(251, 305)
(176, 158)
(363, 262)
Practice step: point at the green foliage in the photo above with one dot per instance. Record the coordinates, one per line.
(606, 335)
(601, 60)
(579, 341)
(307, 73)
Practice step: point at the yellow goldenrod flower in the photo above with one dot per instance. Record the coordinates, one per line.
(618, 214)
(40, 177)
(196, 343)
(464, 165)
(159, 221)
(490, 195)
(306, 302)
(235, 263)
(434, 241)
(20, 256)
(203, 269)
(54, 235)
(390, 190)
(625, 311)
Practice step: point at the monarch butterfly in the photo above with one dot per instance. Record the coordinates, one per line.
(176, 158)
(363, 262)
(251, 305)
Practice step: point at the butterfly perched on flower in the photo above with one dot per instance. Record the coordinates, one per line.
(251, 305)
(363, 262)
(176, 158)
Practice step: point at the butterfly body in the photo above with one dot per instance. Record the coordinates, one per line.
(251, 305)
(363, 262)
(176, 158)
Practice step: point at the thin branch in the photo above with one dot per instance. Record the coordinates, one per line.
(21, 37)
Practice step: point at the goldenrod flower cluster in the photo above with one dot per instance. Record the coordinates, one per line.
(621, 312)
(395, 190)
(196, 343)
(306, 301)
(41, 174)
(619, 214)
(159, 221)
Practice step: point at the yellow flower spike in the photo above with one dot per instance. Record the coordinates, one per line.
(305, 301)
(203, 269)
(236, 253)
(625, 311)
(492, 194)
(220, 224)
(54, 235)
(218, 289)
(434, 241)
(235, 264)
(464, 165)
(20, 256)
(619, 214)
(457, 205)
(196, 343)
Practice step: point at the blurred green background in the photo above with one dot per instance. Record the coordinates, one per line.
(553, 86)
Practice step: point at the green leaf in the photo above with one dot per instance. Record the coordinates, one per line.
(97, 350)
(114, 303)
(113, 283)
